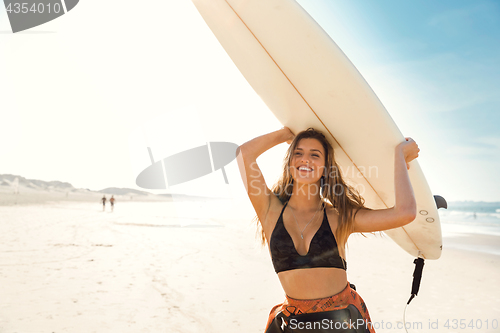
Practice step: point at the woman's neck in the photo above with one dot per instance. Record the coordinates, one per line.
(305, 197)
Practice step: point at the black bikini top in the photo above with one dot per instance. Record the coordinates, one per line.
(323, 251)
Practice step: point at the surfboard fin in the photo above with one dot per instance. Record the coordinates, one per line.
(440, 202)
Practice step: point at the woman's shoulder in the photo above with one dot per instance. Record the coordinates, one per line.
(272, 216)
(332, 214)
(275, 207)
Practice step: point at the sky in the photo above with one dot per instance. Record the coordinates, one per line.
(83, 96)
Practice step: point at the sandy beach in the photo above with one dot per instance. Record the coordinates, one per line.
(67, 266)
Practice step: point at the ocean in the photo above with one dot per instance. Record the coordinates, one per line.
(464, 219)
(474, 217)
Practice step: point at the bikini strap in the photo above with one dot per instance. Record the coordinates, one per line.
(281, 214)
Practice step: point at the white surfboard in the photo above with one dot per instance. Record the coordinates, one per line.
(307, 81)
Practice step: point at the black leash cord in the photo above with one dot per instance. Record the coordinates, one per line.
(417, 277)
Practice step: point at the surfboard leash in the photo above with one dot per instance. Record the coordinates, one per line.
(417, 277)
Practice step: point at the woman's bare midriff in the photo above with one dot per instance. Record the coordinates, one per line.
(312, 283)
(308, 283)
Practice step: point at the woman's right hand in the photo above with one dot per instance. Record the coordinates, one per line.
(287, 135)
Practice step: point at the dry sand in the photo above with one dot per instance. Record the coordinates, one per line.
(69, 267)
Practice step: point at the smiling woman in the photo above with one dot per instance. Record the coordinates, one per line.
(310, 161)
(307, 241)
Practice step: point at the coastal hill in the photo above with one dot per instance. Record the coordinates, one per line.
(15, 189)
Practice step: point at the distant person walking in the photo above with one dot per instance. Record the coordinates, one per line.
(103, 203)
(112, 202)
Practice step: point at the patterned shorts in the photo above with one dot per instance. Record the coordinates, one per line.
(348, 301)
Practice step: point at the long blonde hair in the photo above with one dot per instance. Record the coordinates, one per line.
(335, 191)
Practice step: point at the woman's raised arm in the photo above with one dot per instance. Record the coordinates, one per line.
(252, 177)
(405, 207)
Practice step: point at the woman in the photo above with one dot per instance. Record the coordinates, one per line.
(306, 220)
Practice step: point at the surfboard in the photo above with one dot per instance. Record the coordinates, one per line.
(307, 81)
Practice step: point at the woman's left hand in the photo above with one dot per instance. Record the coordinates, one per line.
(409, 149)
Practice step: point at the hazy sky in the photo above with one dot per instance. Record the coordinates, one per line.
(82, 97)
